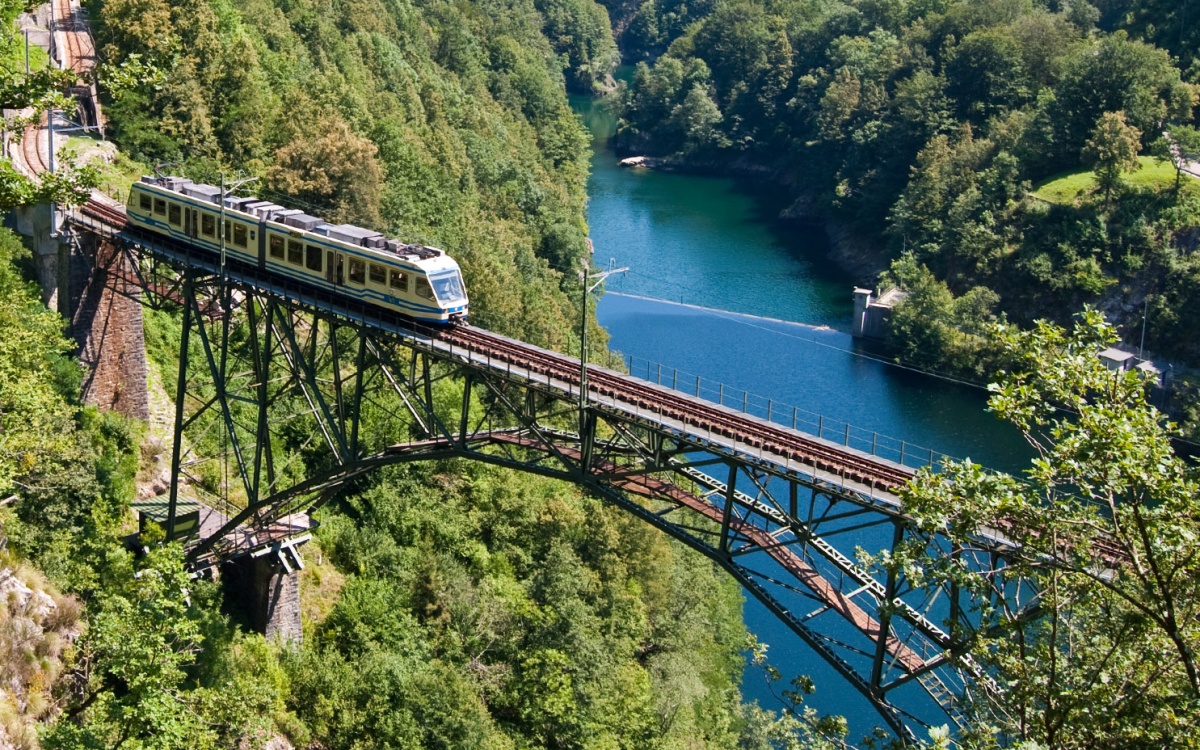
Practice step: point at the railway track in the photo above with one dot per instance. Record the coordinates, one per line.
(31, 150)
(664, 402)
(80, 50)
(694, 412)
(79, 55)
(111, 214)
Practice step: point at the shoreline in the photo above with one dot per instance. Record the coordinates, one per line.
(860, 256)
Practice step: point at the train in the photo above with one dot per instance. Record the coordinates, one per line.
(419, 282)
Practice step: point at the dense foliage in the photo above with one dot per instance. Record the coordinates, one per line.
(518, 614)
(1104, 528)
(67, 476)
(438, 122)
(925, 126)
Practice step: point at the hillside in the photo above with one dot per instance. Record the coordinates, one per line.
(520, 614)
(923, 126)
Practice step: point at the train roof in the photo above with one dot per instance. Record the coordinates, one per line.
(429, 258)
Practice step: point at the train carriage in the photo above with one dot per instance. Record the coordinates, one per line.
(419, 282)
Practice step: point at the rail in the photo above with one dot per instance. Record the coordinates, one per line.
(746, 433)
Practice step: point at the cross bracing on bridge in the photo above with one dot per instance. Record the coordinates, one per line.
(275, 381)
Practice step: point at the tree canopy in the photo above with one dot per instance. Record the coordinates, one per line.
(1103, 526)
(928, 127)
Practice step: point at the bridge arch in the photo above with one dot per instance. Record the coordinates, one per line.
(780, 511)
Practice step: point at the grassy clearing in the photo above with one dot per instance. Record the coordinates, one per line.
(117, 171)
(320, 586)
(1069, 188)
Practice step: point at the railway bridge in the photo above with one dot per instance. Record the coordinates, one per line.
(779, 499)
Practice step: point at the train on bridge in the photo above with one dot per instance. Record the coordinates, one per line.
(419, 282)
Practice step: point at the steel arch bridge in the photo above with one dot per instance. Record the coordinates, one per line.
(275, 380)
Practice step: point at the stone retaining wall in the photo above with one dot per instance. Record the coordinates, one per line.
(107, 323)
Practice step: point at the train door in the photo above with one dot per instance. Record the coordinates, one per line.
(190, 220)
(333, 267)
(262, 244)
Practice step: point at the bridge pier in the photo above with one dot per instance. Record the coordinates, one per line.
(51, 257)
(106, 321)
(268, 592)
(103, 307)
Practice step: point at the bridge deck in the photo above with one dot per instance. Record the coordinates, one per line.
(870, 478)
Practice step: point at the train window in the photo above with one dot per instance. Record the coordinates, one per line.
(399, 281)
(312, 258)
(229, 231)
(239, 235)
(423, 289)
(448, 287)
(174, 215)
(295, 252)
(160, 207)
(378, 275)
(144, 201)
(208, 225)
(276, 246)
(358, 271)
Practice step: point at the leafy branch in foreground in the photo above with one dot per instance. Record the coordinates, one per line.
(1104, 529)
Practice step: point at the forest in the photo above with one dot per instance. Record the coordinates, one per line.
(527, 615)
(1000, 159)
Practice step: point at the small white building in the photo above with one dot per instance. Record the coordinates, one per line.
(1117, 360)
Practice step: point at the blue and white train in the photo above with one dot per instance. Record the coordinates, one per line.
(420, 282)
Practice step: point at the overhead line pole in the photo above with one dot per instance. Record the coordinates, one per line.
(587, 291)
(587, 431)
(221, 222)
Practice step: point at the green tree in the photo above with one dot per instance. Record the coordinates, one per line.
(580, 30)
(1104, 526)
(933, 328)
(331, 169)
(986, 74)
(130, 688)
(1116, 74)
(697, 117)
(1178, 147)
(1111, 150)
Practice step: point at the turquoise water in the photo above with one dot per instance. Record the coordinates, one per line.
(706, 241)
(777, 331)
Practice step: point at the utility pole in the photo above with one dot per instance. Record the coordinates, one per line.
(50, 161)
(53, 46)
(221, 225)
(1145, 314)
(587, 292)
(221, 222)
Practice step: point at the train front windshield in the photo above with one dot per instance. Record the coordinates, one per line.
(448, 287)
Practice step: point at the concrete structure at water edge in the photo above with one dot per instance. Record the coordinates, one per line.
(871, 315)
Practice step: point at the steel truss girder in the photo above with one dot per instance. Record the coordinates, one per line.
(271, 360)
